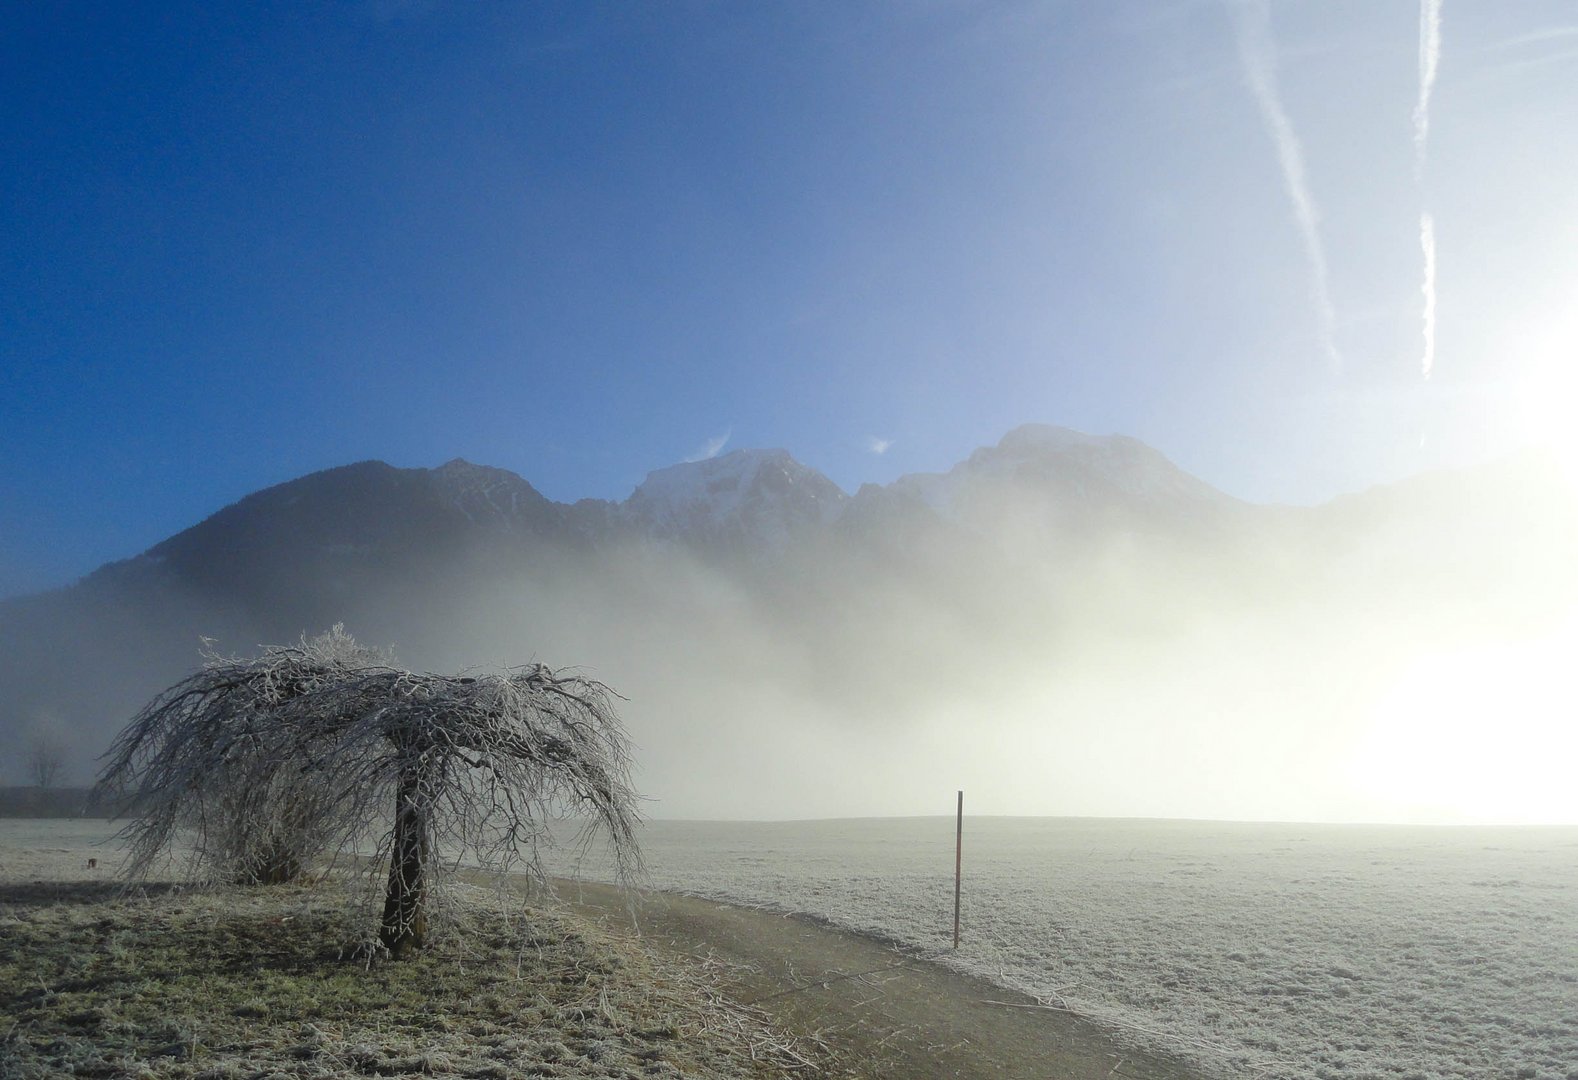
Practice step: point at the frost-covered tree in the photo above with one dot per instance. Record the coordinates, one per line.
(324, 746)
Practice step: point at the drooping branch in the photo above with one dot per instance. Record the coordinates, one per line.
(322, 745)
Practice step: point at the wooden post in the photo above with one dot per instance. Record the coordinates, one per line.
(958, 866)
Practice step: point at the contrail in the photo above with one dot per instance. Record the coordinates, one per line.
(1427, 245)
(1429, 61)
(1256, 52)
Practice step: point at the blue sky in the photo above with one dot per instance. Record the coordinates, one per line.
(239, 243)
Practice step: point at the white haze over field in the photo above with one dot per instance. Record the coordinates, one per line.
(1475, 733)
(1102, 685)
(1378, 660)
(1090, 632)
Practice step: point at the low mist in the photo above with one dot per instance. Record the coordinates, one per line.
(1391, 657)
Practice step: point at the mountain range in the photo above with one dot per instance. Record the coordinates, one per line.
(1054, 567)
(743, 503)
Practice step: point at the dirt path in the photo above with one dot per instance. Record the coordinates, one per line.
(885, 1016)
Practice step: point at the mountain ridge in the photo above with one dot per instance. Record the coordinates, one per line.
(750, 591)
(739, 499)
(1039, 479)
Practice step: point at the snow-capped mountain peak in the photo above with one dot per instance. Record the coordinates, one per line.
(1057, 476)
(485, 494)
(741, 496)
(1046, 443)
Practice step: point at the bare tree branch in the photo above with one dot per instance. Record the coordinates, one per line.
(326, 746)
(45, 758)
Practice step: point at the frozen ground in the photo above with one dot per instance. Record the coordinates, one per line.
(1296, 951)
(1291, 951)
(51, 848)
(206, 984)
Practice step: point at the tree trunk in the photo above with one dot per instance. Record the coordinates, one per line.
(404, 928)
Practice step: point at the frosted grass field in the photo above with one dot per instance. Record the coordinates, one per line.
(52, 848)
(1298, 951)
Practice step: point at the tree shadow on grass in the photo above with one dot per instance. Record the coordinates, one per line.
(43, 893)
(104, 936)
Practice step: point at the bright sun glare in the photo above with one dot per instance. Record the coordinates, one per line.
(1482, 734)
(1548, 393)
(1486, 733)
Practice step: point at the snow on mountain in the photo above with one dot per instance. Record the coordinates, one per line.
(1058, 475)
(488, 496)
(1037, 479)
(746, 496)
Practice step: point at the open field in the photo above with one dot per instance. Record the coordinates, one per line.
(1292, 951)
(269, 982)
(1301, 951)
